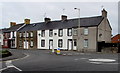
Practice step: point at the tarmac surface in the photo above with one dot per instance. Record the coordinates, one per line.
(45, 60)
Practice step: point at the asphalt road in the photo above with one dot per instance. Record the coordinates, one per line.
(43, 60)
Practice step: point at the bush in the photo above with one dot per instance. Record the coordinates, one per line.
(5, 53)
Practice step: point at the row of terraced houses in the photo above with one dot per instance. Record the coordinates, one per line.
(64, 33)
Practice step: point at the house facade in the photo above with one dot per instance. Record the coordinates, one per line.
(9, 35)
(66, 34)
(13, 33)
(6, 36)
(27, 38)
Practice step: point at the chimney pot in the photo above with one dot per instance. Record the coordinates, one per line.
(63, 17)
(47, 20)
(12, 24)
(27, 21)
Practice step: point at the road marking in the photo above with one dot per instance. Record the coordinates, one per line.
(9, 63)
(3, 69)
(17, 59)
(102, 60)
(83, 58)
(102, 63)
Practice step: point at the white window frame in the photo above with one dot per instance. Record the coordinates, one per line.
(31, 43)
(86, 31)
(42, 33)
(20, 34)
(24, 34)
(75, 31)
(60, 43)
(69, 31)
(60, 32)
(20, 43)
(50, 33)
(31, 34)
(42, 42)
(27, 34)
(85, 43)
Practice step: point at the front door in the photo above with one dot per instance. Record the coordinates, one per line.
(69, 44)
(26, 44)
(74, 44)
(50, 44)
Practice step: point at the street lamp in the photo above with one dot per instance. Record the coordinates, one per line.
(78, 30)
(78, 16)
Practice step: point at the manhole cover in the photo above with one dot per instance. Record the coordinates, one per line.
(102, 60)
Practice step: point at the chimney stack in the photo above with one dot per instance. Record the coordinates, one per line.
(104, 13)
(47, 20)
(12, 24)
(63, 17)
(27, 21)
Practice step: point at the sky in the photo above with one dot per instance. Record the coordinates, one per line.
(36, 11)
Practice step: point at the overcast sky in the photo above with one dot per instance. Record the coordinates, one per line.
(35, 11)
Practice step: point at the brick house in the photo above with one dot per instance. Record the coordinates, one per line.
(116, 38)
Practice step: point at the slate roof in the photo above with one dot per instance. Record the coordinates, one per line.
(13, 28)
(5, 30)
(84, 22)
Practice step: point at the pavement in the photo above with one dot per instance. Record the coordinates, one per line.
(45, 60)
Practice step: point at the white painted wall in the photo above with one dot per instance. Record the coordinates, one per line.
(1, 39)
(55, 39)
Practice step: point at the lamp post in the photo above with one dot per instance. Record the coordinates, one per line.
(78, 16)
(78, 30)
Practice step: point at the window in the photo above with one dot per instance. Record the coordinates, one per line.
(60, 43)
(86, 31)
(31, 34)
(20, 34)
(69, 31)
(42, 43)
(75, 31)
(43, 33)
(86, 43)
(51, 33)
(31, 43)
(75, 42)
(20, 43)
(5, 43)
(8, 35)
(60, 32)
(13, 35)
(24, 34)
(27, 35)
